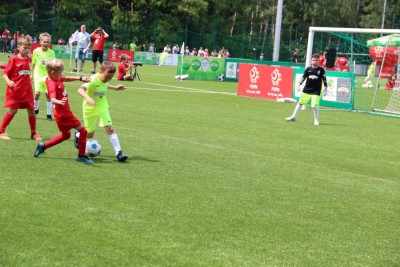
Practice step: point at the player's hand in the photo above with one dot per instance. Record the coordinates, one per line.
(11, 83)
(86, 79)
(91, 101)
(64, 100)
(84, 51)
(120, 87)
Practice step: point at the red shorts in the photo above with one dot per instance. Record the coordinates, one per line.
(19, 105)
(67, 122)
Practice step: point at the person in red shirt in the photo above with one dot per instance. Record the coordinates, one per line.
(19, 92)
(322, 60)
(99, 36)
(342, 63)
(123, 68)
(63, 115)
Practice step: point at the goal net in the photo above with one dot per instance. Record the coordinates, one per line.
(373, 60)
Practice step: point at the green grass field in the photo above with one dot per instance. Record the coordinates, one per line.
(212, 179)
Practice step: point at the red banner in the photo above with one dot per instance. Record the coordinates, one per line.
(265, 81)
(114, 55)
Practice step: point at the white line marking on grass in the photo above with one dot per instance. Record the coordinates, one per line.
(179, 89)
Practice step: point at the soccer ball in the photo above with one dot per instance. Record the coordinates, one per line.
(93, 148)
(221, 77)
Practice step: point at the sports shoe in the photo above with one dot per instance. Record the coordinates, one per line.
(80, 70)
(84, 159)
(121, 156)
(36, 137)
(49, 117)
(76, 144)
(93, 72)
(74, 70)
(4, 136)
(39, 150)
(36, 111)
(290, 118)
(316, 123)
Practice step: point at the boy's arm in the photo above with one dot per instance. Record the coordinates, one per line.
(58, 102)
(82, 92)
(8, 81)
(85, 79)
(116, 87)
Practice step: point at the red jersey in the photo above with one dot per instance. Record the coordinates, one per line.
(62, 113)
(342, 62)
(322, 61)
(122, 70)
(18, 70)
(56, 89)
(99, 40)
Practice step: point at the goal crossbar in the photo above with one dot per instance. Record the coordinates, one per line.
(312, 30)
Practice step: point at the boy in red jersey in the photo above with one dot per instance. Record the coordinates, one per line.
(99, 35)
(19, 92)
(123, 67)
(62, 112)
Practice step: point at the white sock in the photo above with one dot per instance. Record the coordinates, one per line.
(49, 107)
(37, 104)
(296, 110)
(115, 142)
(316, 114)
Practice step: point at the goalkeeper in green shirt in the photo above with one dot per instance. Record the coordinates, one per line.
(95, 106)
(39, 72)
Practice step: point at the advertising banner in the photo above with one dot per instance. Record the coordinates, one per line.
(202, 68)
(115, 55)
(263, 81)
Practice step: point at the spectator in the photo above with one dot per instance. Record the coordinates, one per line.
(175, 49)
(152, 48)
(82, 47)
(322, 60)
(262, 56)
(60, 41)
(115, 46)
(342, 63)
(201, 52)
(295, 55)
(132, 46)
(206, 54)
(99, 36)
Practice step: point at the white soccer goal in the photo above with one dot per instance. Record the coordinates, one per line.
(352, 43)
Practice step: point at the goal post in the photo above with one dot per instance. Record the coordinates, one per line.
(361, 49)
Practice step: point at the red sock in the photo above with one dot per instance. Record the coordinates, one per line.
(6, 121)
(82, 141)
(32, 123)
(57, 139)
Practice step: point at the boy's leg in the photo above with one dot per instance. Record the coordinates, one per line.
(82, 141)
(6, 121)
(32, 124)
(295, 112)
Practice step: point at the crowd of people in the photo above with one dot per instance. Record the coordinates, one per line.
(176, 49)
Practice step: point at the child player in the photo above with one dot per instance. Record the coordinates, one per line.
(62, 112)
(95, 106)
(39, 72)
(123, 67)
(315, 76)
(19, 93)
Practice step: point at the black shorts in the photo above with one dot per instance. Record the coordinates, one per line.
(97, 55)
